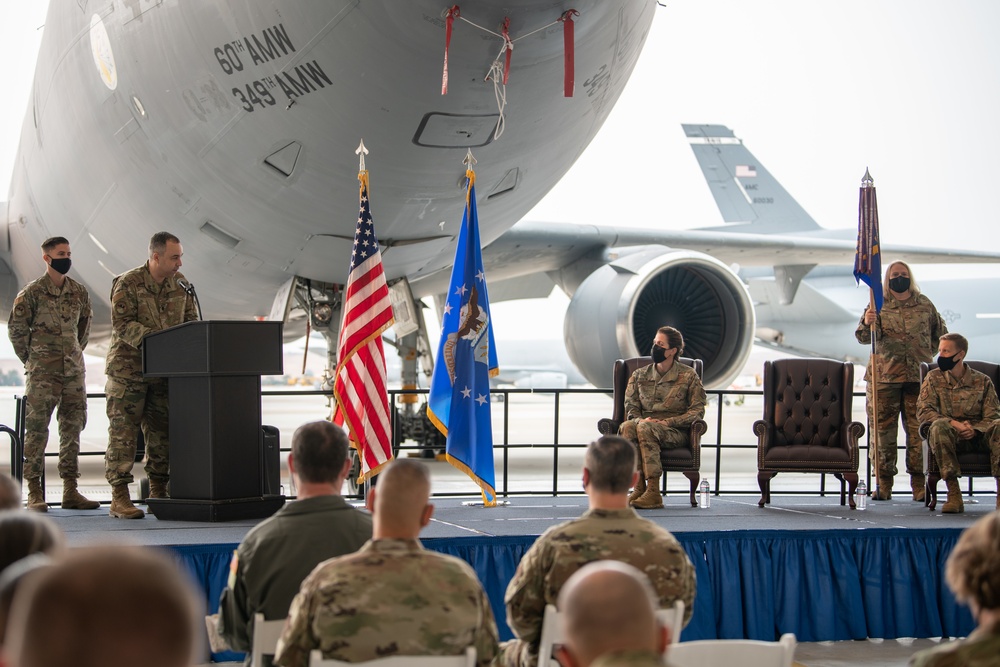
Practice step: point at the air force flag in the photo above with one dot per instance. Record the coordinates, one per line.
(459, 402)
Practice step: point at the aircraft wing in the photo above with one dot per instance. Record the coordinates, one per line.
(733, 247)
(624, 283)
(543, 247)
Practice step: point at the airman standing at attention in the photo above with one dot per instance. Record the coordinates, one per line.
(49, 326)
(907, 329)
(144, 300)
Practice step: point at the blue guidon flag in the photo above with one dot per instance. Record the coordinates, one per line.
(868, 259)
(459, 401)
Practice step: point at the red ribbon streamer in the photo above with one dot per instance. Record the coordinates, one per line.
(569, 67)
(452, 14)
(510, 48)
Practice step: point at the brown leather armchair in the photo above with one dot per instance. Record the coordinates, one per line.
(973, 464)
(681, 459)
(807, 424)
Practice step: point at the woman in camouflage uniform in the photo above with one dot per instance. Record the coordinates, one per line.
(662, 400)
(907, 333)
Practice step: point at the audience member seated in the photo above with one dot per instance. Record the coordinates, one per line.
(393, 597)
(279, 553)
(973, 574)
(26, 533)
(963, 410)
(111, 606)
(10, 493)
(609, 530)
(608, 616)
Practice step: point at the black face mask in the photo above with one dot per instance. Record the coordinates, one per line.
(658, 353)
(899, 284)
(947, 363)
(61, 264)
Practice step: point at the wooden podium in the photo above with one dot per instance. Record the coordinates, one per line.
(216, 445)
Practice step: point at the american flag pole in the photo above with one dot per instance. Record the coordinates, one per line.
(360, 386)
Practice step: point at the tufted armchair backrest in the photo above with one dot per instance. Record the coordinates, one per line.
(807, 401)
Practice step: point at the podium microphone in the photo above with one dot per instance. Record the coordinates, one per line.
(189, 289)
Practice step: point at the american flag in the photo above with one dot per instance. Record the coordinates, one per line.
(360, 385)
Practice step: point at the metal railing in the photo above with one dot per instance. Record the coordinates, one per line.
(509, 450)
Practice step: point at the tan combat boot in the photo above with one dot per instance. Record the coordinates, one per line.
(954, 504)
(36, 496)
(121, 504)
(158, 488)
(73, 499)
(918, 484)
(884, 489)
(651, 499)
(640, 488)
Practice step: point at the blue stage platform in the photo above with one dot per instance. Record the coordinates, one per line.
(802, 565)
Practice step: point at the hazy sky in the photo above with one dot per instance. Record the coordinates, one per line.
(817, 90)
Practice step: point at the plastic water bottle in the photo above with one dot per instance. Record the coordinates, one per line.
(861, 496)
(704, 499)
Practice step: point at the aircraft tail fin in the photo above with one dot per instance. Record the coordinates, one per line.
(745, 192)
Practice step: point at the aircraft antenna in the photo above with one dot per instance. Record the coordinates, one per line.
(362, 151)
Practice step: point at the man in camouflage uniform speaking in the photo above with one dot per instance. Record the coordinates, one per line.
(392, 597)
(962, 407)
(610, 530)
(144, 300)
(49, 326)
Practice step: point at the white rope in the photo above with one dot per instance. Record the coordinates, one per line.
(544, 27)
(496, 34)
(499, 92)
(495, 73)
(475, 25)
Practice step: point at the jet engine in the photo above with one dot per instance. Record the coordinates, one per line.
(616, 310)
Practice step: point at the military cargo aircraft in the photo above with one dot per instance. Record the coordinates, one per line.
(234, 126)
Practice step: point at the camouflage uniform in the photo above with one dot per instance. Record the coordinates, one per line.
(970, 398)
(49, 327)
(393, 597)
(562, 550)
(675, 398)
(907, 334)
(139, 306)
(276, 555)
(980, 649)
